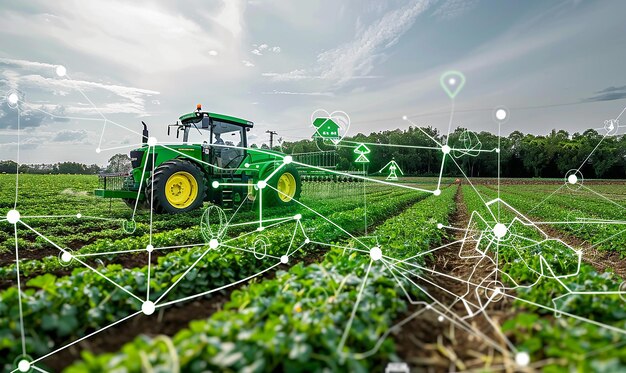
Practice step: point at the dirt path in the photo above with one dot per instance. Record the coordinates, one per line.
(428, 344)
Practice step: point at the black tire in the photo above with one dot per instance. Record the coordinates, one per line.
(273, 197)
(157, 185)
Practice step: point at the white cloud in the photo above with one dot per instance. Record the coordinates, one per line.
(38, 77)
(144, 36)
(247, 63)
(300, 74)
(30, 65)
(259, 49)
(275, 92)
(70, 136)
(231, 16)
(357, 57)
(451, 9)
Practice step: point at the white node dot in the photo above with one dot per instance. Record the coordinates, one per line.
(439, 225)
(66, 257)
(61, 70)
(307, 240)
(213, 243)
(13, 98)
(376, 253)
(246, 165)
(497, 291)
(404, 117)
(284, 259)
(452, 81)
(147, 308)
(13, 216)
(152, 141)
(261, 184)
(501, 114)
(440, 318)
(97, 150)
(522, 358)
(499, 230)
(288, 159)
(497, 150)
(78, 216)
(149, 248)
(23, 366)
(215, 184)
(297, 216)
(437, 192)
(260, 229)
(572, 179)
(445, 149)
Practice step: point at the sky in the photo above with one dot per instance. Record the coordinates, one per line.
(552, 64)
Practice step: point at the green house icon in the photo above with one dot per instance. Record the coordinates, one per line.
(326, 128)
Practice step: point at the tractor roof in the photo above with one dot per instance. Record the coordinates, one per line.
(196, 116)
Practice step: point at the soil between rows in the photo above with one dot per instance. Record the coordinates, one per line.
(427, 344)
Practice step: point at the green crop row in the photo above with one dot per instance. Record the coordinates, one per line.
(296, 321)
(569, 207)
(87, 228)
(50, 195)
(175, 237)
(68, 306)
(534, 328)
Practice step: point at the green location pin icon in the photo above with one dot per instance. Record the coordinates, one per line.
(452, 82)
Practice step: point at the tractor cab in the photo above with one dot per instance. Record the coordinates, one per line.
(226, 139)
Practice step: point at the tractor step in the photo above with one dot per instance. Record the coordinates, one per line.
(227, 199)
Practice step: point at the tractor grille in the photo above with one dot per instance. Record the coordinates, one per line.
(136, 157)
(117, 181)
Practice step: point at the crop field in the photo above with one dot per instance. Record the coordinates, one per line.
(306, 292)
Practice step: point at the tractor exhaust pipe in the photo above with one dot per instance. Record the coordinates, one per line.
(145, 134)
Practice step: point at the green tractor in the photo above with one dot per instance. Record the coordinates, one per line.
(223, 169)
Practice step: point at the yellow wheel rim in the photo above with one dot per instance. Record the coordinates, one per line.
(181, 189)
(286, 187)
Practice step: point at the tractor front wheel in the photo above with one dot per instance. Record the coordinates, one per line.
(177, 186)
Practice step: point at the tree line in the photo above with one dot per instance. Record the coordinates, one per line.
(520, 155)
(417, 152)
(117, 163)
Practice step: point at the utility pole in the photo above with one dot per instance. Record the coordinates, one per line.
(272, 133)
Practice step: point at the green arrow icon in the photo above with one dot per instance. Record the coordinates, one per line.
(452, 82)
(362, 149)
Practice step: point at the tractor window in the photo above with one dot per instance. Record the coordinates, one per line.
(228, 142)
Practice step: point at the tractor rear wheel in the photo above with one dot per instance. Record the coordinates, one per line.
(285, 187)
(177, 186)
